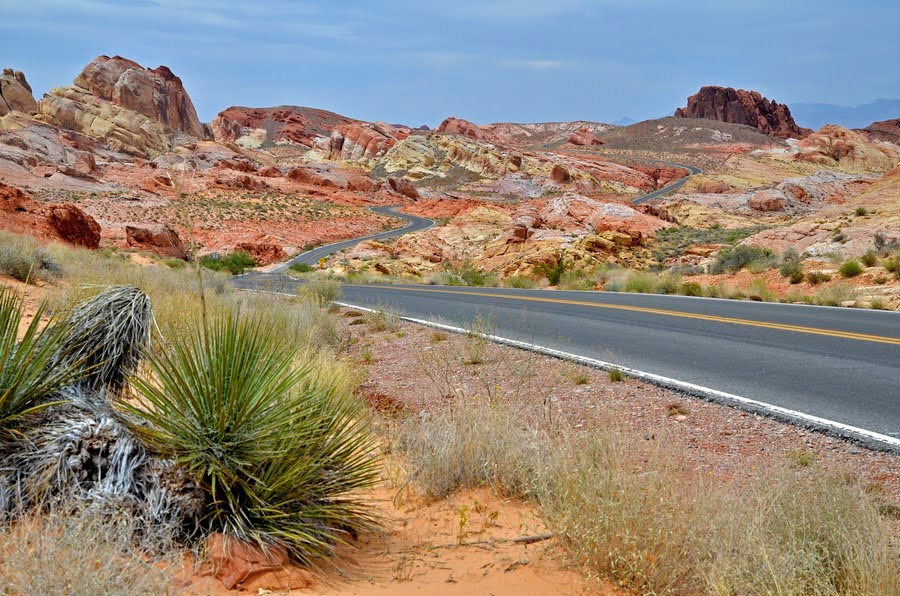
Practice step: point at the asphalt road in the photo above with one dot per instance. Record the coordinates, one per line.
(839, 364)
(672, 187)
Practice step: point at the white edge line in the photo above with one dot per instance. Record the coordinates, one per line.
(868, 438)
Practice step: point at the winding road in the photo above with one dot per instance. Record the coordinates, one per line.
(832, 369)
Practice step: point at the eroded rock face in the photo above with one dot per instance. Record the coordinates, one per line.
(15, 93)
(738, 106)
(19, 213)
(359, 141)
(129, 107)
(886, 130)
(464, 128)
(265, 253)
(157, 238)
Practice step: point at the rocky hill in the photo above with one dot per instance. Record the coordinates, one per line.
(886, 130)
(127, 106)
(738, 106)
(264, 127)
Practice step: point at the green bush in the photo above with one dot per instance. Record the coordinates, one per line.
(519, 281)
(791, 266)
(642, 283)
(302, 267)
(733, 259)
(576, 279)
(279, 453)
(553, 273)
(817, 277)
(321, 292)
(24, 260)
(691, 288)
(892, 265)
(861, 211)
(850, 268)
(669, 283)
(31, 368)
(869, 259)
(236, 262)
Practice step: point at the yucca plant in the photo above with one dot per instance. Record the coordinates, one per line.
(30, 370)
(278, 455)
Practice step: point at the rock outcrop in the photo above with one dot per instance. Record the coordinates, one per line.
(586, 138)
(157, 238)
(15, 93)
(359, 141)
(282, 125)
(127, 106)
(265, 253)
(67, 223)
(464, 128)
(738, 106)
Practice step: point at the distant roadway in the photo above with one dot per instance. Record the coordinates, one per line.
(839, 365)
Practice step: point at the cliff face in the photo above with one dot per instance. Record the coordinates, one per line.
(738, 106)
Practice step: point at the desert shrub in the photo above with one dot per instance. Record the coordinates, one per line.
(235, 263)
(735, 258)
(892, 265)
(791, 266)
(861, 212)
(22, 259)
(877, 304)
(576, 279)
(640, 282)
(834, 295)
(382, 320)
(80, 552)
(817, 277)
(616, 375)
(674, 241)
(519, 281)
(869, 258)
(34, 367)
(302, 268)
(553, 273)
(321, 292)
(473, 445)
(174, 263)
(279, 452)
(691, 288)
(850, 268)
(668, 283)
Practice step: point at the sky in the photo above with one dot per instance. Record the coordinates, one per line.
(418, 61)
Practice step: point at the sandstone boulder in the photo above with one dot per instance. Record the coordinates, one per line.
(160, 239)
(768, 200)
(585, 137)
(404, 187)
(15, 93)
(240, 564)
(738, 106)
(67, 223)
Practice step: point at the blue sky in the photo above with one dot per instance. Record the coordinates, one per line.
(417, 61)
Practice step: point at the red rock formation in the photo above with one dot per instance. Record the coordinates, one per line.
(768, 200)
(15, 93)
(662, 175)
(156, 238)
(886, 130)
(738, 106)
(157, 93)
(352, 142)
(586, 138)
(265, 253)
(458, 126)
(237, 563)
(67, 223)
(404, 187)
(283, 124)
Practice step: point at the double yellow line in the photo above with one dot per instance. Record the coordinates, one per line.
(669, 313)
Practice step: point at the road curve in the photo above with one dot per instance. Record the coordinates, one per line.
(671, 187)
(311, 257)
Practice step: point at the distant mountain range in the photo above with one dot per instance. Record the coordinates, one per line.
(814, 115)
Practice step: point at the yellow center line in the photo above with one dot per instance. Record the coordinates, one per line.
(671, 313)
